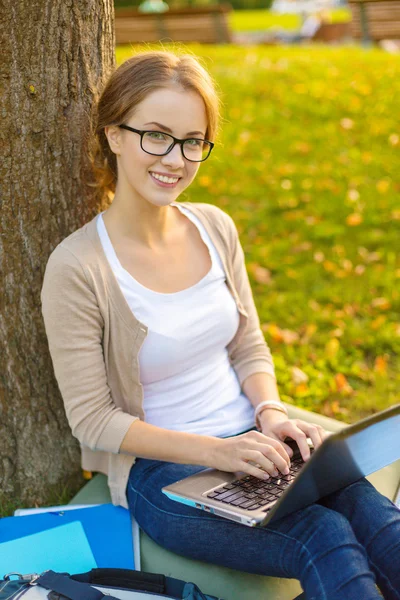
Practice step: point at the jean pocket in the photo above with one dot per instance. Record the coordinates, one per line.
(140, 472)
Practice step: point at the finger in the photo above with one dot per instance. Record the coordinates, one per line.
(316, 433)
(255, 471)
(275, 455)
(312, 431)
(325, 434)
(260, 460)
(299, 436)
(288, 449)
(279, 446)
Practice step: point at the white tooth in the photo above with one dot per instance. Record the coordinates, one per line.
(165, 179)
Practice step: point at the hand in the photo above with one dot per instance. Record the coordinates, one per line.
(277, 426)
(235, 453)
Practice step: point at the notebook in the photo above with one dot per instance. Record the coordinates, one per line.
(343, 458)
(107, 528)
(64, 548)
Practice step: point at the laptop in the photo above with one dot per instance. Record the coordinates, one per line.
(343, 458)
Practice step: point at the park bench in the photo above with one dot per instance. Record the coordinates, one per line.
(203, 24)
(332, 32)
(221, 581)
(375, 20)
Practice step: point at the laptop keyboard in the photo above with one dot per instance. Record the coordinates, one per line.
(251, 493)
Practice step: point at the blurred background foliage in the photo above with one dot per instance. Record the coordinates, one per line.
(237, 4)
(263, 19)
(252, 15)
(307, 164)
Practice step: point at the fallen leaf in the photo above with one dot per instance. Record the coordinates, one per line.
(303, 247)
(383, 186)
(378, 322)
(308, 332)
(301, 389)
(354, 219)
(335, 406)
(329, 266)
(274, 331)
(260, 274)
(332, 348)
(347, 265)
(319, 257)
(204, 181)
(290, 337)
(382, 303)
(353, 195)
(342, 384)
(337, 332)
(347, 123)
(380, 365)
(298, 376)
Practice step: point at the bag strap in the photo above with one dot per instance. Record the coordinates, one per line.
(78, 587)
(135, 580)
(126, 578)
(74, 590)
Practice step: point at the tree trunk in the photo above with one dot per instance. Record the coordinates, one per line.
(55, 56)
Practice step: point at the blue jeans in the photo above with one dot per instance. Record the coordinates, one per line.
(339, 548)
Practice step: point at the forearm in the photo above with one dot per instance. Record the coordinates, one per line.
(259, 387)
(148, 441)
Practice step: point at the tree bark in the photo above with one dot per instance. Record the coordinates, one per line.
(55, 56)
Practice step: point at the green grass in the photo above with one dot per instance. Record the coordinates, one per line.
(307, 164)
(56, 495)
(260, 20)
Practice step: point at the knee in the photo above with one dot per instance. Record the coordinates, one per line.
(325, 532)
(330, 558)
(325, 525)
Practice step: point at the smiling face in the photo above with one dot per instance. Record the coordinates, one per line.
(172, 110)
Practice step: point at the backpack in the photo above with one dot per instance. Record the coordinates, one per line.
(98, 584)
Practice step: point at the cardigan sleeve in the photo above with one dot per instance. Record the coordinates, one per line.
(252, 353)
(74, 329)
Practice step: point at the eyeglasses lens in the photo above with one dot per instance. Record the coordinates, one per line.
(158, 143)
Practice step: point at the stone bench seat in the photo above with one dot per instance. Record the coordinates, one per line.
(221, 581)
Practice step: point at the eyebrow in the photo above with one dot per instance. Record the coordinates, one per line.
(170, 130)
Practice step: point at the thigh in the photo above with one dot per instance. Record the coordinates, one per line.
(368, 511)
(282, 549)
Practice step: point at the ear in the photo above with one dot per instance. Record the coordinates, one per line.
(113, 134)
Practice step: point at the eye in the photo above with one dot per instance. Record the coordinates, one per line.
(194, 143)
(157, 136)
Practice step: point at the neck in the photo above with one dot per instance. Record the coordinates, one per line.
(152, 227)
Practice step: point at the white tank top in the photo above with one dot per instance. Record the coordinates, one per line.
(188, 381)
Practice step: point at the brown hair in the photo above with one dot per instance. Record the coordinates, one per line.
(128, 86)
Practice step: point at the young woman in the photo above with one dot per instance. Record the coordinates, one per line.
(159, 356)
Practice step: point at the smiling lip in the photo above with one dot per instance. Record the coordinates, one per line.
(165, 174)
(164, 183)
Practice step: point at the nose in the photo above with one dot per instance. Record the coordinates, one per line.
(174, 159)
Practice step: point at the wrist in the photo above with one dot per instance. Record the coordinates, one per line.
(267, 407)
(213, 446)
(271, 416)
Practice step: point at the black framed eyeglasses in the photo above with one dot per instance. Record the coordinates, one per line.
(159, 143)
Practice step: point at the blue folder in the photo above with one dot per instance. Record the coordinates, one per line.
(64, 549)
(107, 527)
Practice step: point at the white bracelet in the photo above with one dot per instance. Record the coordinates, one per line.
(274, 404)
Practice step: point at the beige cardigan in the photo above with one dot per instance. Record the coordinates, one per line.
(94, 340)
